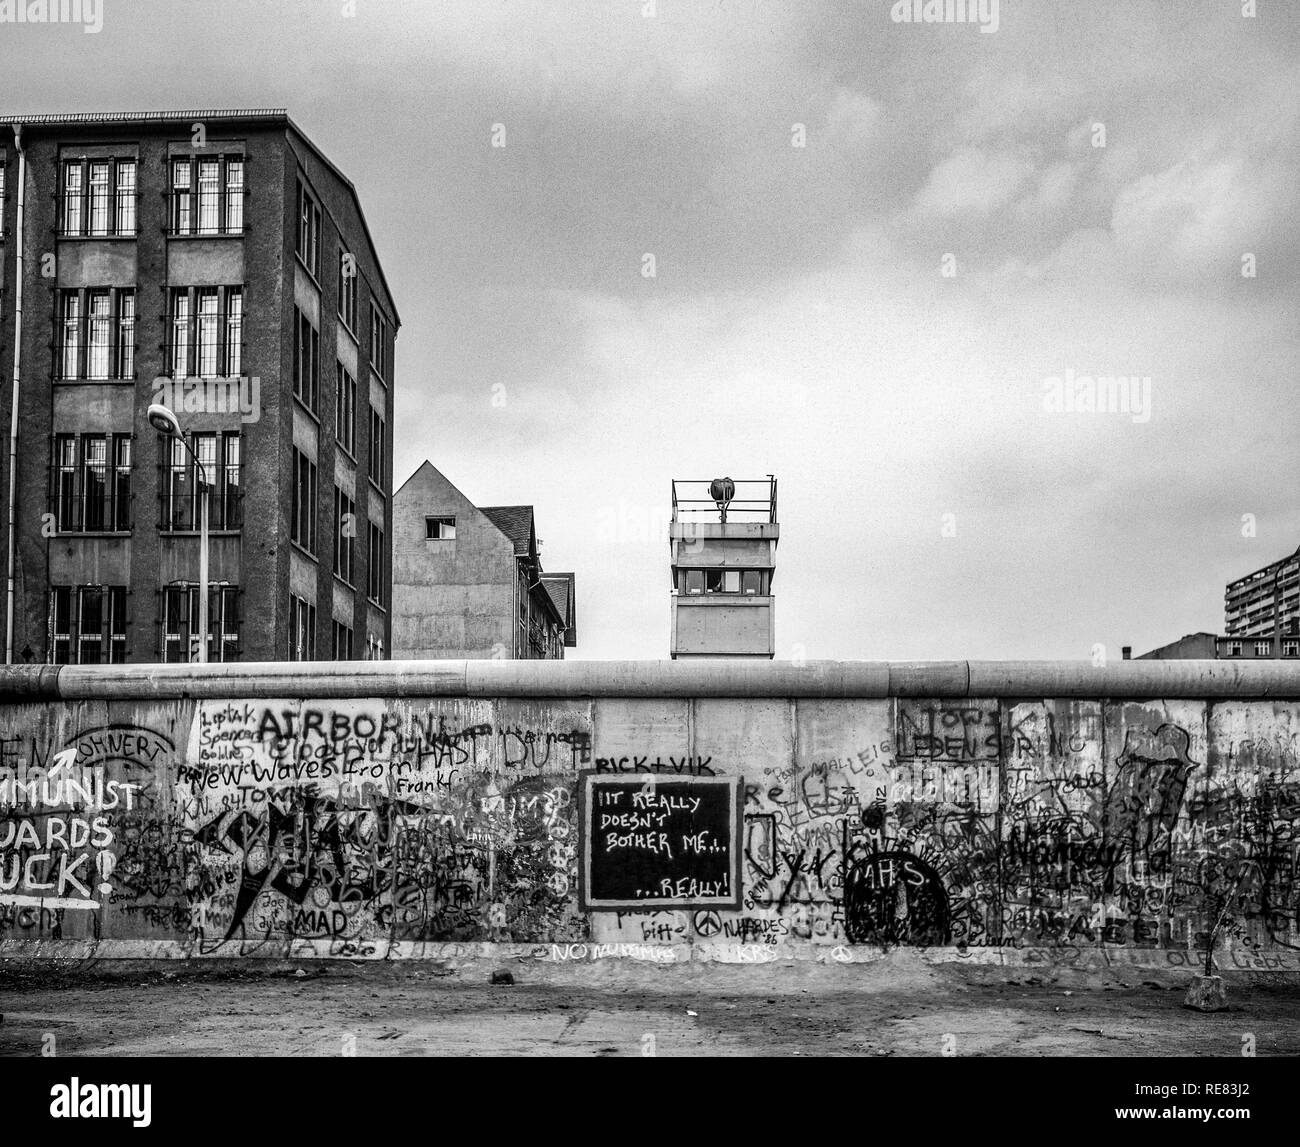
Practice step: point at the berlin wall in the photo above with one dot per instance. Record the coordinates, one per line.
(1015, 812)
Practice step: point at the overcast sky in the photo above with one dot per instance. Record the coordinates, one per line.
(799, 320)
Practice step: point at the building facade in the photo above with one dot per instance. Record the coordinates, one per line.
(722, 547)
(1226, 647)
(1265, 602)
(216, 262)
(468, 580)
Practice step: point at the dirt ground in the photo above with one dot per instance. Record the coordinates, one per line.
(897, 1006)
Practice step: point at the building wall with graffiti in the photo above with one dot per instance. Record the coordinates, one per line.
(401, 827)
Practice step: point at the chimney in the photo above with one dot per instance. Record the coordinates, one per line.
(1126, 651)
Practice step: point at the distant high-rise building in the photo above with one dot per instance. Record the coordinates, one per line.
(722, 540)
(468, 580)
(1266, 601)
(216, 262)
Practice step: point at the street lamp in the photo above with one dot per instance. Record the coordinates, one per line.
(165, 422)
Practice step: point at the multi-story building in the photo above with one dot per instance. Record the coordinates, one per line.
(1266, 602)
(722, 544)
(216, 262)
(468, 580)
(1217, 647)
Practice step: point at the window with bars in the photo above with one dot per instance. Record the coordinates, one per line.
(205, 332)
(342, 642)
(308, 244)
(345, 408)
(207, 195)
(378, 447)
(377, 562)
(348, 289)
(95, 337)
(97, 198)
(90, 483)
(181, 489)
(302, 629)
(306, 359)
(180, 622)
(87, 625)
(379, 342)
(302, 504)
(345, 528)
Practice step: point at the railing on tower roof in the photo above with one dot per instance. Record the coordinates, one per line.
(754, 500)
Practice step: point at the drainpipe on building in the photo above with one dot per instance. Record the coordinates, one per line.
(13, 413)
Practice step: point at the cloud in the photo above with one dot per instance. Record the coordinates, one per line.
(852, 120)
(972, 181)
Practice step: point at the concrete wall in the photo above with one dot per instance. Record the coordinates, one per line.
(421, 809)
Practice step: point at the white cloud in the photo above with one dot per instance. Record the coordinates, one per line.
(852, 120)
(972, 180)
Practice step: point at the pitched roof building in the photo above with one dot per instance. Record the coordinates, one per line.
(468, 580)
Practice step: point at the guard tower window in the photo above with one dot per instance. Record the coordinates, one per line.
(751, 581)
(694, 581)
(722, 581)
(440, 529)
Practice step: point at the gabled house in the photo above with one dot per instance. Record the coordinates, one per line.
(468, 581)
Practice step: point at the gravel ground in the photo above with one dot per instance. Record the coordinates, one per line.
(897, 1006)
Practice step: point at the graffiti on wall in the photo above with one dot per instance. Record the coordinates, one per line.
(61, 807)
(1054, 827)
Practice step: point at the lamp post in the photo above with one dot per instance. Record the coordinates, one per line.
(165, 422)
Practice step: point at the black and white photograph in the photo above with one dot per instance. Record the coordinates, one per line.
(637, 528)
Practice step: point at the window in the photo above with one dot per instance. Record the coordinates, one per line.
(181, 622)
(206, 332)
(306, 359)
(207, 195)
(345, 528)
(302, 512)
(70, 336)
(234, 195)
(1234, 648)
(90, 483)
(378, 342)
(348, 289)
(124, 353)
(302, 629)
(98, 198)
(694, 581)
(375, 572)
(1263, 649)
(125, 198)
(73, 176)
(345, 408)
(374, 647)
(751, 581)
(378, 447)
(342, 642)
(1291, 649)
(181, 489)
(308, 247)
(233, 349)
(99, 332)
(87, 625)
(440, 529)
(96, 334)
(722, 581)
